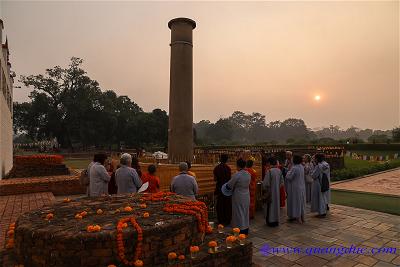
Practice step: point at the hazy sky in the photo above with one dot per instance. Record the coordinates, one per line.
(269, 57)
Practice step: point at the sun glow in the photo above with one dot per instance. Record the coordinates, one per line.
(317, 98)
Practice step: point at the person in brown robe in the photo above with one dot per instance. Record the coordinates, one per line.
(222, 174)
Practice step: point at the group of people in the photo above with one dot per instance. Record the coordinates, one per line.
(299, 180)
(103, 178)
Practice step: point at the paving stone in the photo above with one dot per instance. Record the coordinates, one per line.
(367, 260)
(385, 257)
(342, 262)
(311, 261)
(396, 261)
(384, 264)
(12, 206)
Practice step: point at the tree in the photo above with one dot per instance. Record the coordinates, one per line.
(396, 134)
(67, 104)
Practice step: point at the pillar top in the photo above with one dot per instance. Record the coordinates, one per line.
(182, 20)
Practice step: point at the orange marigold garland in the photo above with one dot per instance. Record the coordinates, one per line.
(120, 240)
(195, 208)
(159, 196)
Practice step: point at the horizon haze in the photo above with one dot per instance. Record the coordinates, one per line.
(324, 62)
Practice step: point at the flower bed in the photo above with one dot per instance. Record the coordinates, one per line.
(39, 160)
(127, 230)
(38, 165)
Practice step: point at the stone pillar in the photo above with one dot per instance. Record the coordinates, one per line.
(180, 131)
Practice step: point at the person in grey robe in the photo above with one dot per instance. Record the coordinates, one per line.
(273, 179)
(99, 177)
(308, 169)
(239, 186)
(184, 184)
(296, 195)
(320, 200)
(126, 178)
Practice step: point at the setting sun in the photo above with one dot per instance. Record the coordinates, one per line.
(317, 98)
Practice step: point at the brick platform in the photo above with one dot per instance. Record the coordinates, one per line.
(58, 185)
(14, 205)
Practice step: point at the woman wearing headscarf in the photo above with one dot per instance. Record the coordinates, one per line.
(296, 195)
(239, 186)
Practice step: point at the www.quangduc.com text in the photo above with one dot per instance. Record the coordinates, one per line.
(336, 250)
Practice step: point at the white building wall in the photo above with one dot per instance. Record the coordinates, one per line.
(6, 130)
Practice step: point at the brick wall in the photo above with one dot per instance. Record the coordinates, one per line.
(58, 185)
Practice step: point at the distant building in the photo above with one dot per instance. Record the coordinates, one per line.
(6, 106)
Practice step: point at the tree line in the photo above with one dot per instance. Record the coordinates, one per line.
(67, 104)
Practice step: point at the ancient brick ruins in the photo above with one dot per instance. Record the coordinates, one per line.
(83, 232)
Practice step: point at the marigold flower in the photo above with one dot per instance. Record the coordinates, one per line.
(212, 244)
(83, 213)
(181, 257)
(128, 209)
(138, 263)
(143, 205)
(236, 230)
(220, 226)
(111, 265)
(78, 216)
(194, 249)
(242, 236)
(172, 255)
(99, 211)
(146, 215)
(231, 238)
(66, 200)
(49, 216)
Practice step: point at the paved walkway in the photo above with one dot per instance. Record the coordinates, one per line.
(14, 205)
(343, 227)
(384, 183)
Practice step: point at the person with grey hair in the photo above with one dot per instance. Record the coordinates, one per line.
(184, 184)
(127, 179)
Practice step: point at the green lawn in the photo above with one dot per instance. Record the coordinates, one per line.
(376, 152)
(369, 201)
(75, 163)
(350, 163)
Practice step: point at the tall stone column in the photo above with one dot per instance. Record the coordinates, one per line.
(180, 132)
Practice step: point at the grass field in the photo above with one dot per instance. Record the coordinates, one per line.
(75, 163)
(350, 163)
(376, 152)
(369, 201)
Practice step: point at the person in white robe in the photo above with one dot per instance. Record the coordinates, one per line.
(239, 186)
(320, 200)
(273, 179)
(99, 177)
(308, 169)
(296, 195)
